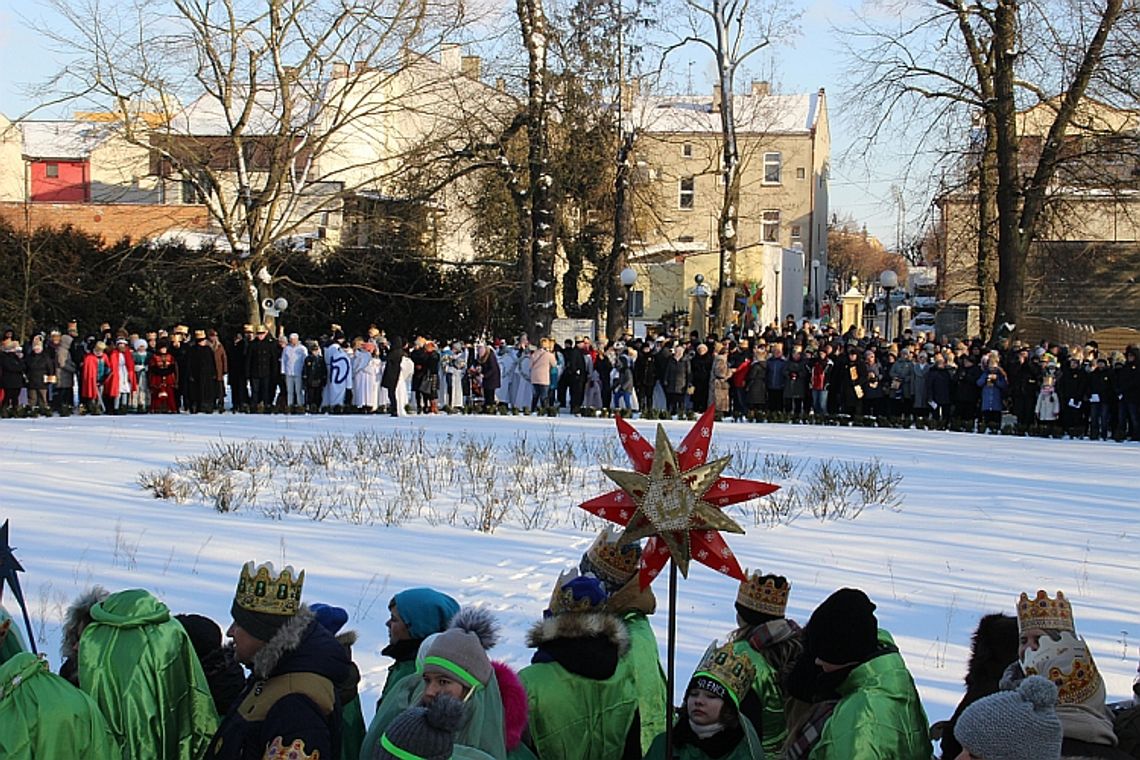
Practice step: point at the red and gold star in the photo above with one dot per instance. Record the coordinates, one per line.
(674, 498)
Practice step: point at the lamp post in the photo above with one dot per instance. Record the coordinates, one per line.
(815, 286)
(700, 294)
(628, 279)
(779, 310)
(889, 280)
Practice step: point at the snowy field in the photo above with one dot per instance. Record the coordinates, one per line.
(982, 518)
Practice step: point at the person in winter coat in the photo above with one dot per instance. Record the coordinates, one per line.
(796, 379)
(992, 648)
(940, 387)
(756, 386)
(645, 375)
(427, 732)
(821, 367)
(701, 376)
(1013, 725)
(390, 379)
(454, 662)
(314, 373)
(333, 619)
(65, 372)
(581, 692)
(292, 363)
(43, 716)
(710, 725)
(967, 392)
(122, 382)
(162, 376)
(413, 615)
(262, 366)
(139, 666)
(39, 368)
(1072, 387)
(542, 364)
(1100, 391)
(777, 379)
(237, 359)
(878, 713)
(1048, 409)
(96, 370)
(678, 379)
(920, 375)
(11, 373)
(773, 644)
(720, 374)
(201, 385)
(854, 385)
(1128, 391)
(901, 385)
(993, 382)
(487, 365)
(616, 566)
(289, 704)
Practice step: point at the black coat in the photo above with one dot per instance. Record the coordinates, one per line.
(37, 367)
(994, 646)
(11, 371)
(262, 358)
(237, 354)
(391, 377)
(201, 371)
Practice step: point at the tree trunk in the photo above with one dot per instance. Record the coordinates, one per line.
(617, 309)
(987, 227)
(1011, 248)
(728, 221)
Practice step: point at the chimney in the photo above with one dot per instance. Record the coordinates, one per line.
(761, 88)
(716, 98)
(360, 67)
(500, 84)
(471, 66)
(451, 57)
(630, 93)
(339, 70)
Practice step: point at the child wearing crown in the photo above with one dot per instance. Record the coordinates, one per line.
(1049, 646)
(710, 724)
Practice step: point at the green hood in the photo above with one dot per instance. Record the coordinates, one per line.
(129, 609)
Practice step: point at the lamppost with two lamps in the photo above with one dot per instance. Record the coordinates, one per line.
(628, 280)
(889, 280)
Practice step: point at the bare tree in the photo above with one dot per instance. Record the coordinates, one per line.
(733, 31)
(269, 113)
(951, 64)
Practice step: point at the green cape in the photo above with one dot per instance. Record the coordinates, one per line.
(43, 716)
(13, 642)
(139, 666)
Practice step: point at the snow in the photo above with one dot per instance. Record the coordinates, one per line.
(983, 518)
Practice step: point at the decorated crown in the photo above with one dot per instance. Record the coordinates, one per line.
(764, 593)
(1043, 612)
(1069, 664)
(261, 589)
(574, 592)
(733, 671)
(613, 562)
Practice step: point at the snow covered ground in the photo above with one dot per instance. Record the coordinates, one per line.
(983, 518)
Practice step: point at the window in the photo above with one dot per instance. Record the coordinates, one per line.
(796, 232)
(687, 150)
(52, 171)
(688, 192)
(771, 168)
(685, 239)
(800, 172)
(770, 227)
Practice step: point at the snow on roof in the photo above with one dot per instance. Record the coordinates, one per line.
(62, 139)
(786, 114)
(206, 116)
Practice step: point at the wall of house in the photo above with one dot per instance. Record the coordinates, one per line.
(120, 173)
(112, 222)
(71, 183)
(11, 162)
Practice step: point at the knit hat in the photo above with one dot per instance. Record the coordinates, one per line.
(461, 650)
(843, 628)
(1013, 725)
(266, 600)
(204, 633)
(576, 593)
(424, 610)
(423, 733)
(331, 618)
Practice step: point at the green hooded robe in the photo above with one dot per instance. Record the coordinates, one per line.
(773, 724)
(12, 643)
(138, 664)
(42, 716)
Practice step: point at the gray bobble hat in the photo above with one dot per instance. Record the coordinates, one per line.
(1013, 725)
(461, 650)
(423, 733)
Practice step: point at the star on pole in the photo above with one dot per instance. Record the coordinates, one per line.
(673, 497)
(9, 566)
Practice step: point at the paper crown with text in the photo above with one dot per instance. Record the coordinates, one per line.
(767, 594)
(733, 671)
(612, 561)
(262, 589)
(1069, 664)
(1043, 612)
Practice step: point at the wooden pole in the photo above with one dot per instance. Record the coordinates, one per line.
(671, 657)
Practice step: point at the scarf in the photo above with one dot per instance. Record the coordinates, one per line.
(704, 732)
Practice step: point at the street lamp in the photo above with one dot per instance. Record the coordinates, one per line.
(776, 269)
(628, 279)
(815, 286)
(700, 294)
(889, 280)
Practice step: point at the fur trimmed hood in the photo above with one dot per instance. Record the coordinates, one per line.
(77, 617)
(580, 625)
(302, 646)
(515, 705)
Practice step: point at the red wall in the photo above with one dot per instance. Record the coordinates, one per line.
(71, 186)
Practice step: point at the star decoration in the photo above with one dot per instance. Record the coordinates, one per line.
(678, 496)
(9, 566)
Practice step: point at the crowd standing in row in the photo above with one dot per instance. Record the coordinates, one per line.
(138, 682)
(786, 371)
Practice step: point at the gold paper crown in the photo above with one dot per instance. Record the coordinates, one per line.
(1076, 684)
(1043, 612)
(260, 589)
(733, 671)
(614, 563)
(764, 593)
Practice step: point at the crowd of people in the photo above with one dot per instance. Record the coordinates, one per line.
(140, 682)
(787, 370)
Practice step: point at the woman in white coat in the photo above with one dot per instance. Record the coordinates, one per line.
(407, 369)
(366, 377)
(455, 368)
(522, 392)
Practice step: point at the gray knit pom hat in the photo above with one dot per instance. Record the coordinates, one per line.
(423, 733)
(1013, 725)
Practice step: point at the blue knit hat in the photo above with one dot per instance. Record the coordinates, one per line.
(1013, 725)
(331, 618)
(583, 593)
(424, 610)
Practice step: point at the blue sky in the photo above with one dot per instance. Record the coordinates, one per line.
(806, 63)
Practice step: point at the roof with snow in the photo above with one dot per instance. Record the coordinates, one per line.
(62, 139)
(783, 114)
(207, 116)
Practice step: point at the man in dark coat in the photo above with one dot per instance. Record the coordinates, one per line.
(289, 707)
(262, 367)
(237, 358)
(390, 380)
(202, 373)
(490, 374)
(575, 372)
